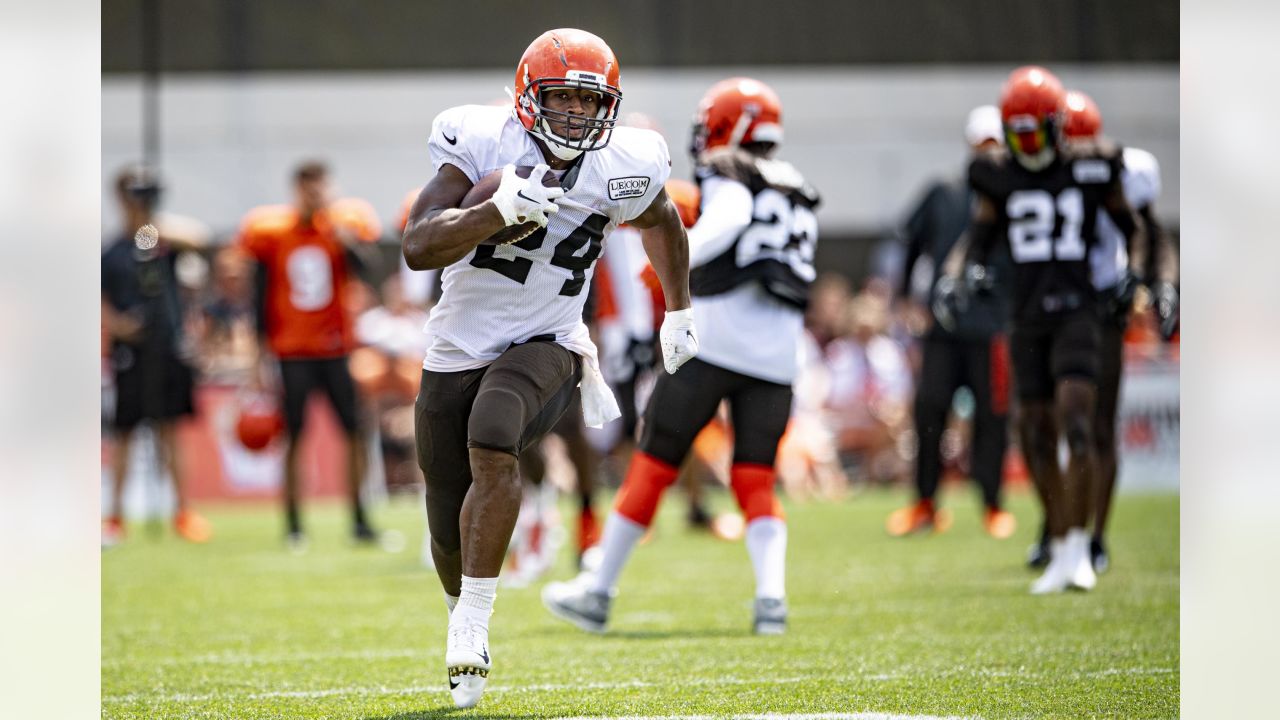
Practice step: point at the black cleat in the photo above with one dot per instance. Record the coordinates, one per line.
(364, 535)
(1038, 555)
(1098, 554)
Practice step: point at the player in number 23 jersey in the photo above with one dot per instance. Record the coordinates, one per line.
(508, 343)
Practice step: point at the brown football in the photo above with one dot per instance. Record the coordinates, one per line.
(485, 189)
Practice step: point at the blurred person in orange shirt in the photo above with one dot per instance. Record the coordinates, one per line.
(149, 348)
(306, 256)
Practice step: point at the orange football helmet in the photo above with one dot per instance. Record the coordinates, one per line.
(735, 112)
(568, 58)
(259, 423)
(1083, 118)
(1032, 105)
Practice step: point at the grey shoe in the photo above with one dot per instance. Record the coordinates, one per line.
(571, 601)
(770, 616)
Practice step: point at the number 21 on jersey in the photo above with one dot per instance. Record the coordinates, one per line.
(1032, 218)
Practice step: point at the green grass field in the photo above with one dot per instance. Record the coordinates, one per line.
(926, 626)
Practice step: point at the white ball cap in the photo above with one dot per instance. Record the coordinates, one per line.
(984, 124)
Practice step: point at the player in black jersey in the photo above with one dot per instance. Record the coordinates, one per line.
(1043, 199)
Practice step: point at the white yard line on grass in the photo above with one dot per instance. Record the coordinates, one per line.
(358, 690)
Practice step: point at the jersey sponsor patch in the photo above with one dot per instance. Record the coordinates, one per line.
(628, 187)
(1091, 171)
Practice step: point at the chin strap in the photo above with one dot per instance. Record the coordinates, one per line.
(560, 151)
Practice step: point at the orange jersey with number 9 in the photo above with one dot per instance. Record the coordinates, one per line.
(306, 272)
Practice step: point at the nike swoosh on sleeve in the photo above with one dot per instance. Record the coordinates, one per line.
(450, 140)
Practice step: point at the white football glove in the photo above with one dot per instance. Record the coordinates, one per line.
(679, 339)
(521, 200)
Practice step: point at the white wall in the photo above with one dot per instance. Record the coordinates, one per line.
(867, 138)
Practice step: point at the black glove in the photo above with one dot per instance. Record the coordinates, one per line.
(949, 301)
(1165, 297)
(1121, 301)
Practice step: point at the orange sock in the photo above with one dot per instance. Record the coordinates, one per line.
(753, 486)
(647, 478)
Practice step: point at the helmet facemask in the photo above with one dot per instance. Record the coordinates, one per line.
(596, 131)
(1033, 142)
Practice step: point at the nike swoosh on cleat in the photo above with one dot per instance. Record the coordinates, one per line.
(485, 654)
(453, 684)
(450, 140)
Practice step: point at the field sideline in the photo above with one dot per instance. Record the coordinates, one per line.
(880, 628)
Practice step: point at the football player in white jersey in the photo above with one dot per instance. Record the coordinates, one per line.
(508, 345)
(751, 251)
(1109, 259)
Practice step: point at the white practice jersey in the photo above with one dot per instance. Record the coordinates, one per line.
(499, 295)
(746, 329)
(1109, 257)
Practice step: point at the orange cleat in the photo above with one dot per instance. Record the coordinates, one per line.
(192, 527)
(917, 518)
(1000, 524)
(112, 531)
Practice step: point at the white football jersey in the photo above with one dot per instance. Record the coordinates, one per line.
(746, 330)
(499, 295)
(1141, 179)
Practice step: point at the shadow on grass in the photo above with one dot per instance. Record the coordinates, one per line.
(449, 711)
(656, 634)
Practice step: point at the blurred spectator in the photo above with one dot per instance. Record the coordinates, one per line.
(229, 341)
(827, 303)
(870, 387)
(306, 254)
(149, 348)
(387, 369)
(973, 354)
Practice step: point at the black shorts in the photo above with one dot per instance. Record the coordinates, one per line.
(149, 387)
(1053, 350)
(303, 376)
(683, 403)
(1110, 368)
(507, 406)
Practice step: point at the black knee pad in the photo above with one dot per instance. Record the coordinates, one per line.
(666, 441)
(497, 420)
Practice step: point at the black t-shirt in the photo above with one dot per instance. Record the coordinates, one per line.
(932, 230)
(1047, 220)
(145, 287)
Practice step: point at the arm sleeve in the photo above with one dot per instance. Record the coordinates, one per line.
(913, 234)
(726, 212)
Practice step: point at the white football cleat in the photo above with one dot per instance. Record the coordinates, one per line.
(1057, 574)
(1083, 576)
(467, 659)
(572, 601)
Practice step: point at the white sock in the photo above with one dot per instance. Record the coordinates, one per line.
(451, 602)
(619, 537)
(477, 597)
(767, 546)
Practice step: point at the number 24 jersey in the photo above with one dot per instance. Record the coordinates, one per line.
(499, 295)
